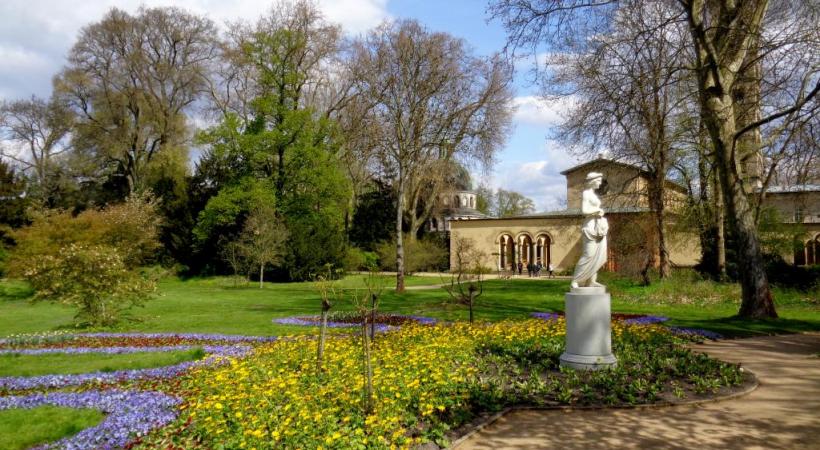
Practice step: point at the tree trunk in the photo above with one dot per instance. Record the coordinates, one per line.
(322, 333)
(656, 199)
(261, 276)
(720, 232)
(399, 238)
(368, 369)
(757, 297)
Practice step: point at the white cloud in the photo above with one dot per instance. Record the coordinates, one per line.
(35, 35)
(535, 110)
(539, 180)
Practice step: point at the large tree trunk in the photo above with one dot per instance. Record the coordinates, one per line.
(656, 199)
(757, 297)
(399, 238)
(723, 33)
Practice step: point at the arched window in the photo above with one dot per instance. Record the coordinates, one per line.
(457, 202)
(472, 202)
(434, 224)
(507, 258)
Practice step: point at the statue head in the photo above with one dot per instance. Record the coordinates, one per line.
(594, 180)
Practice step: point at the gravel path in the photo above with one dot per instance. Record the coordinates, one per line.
(782, 413)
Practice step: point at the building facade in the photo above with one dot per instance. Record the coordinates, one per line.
(454, 206)
(554, 238)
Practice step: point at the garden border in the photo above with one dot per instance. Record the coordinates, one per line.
(754, 383)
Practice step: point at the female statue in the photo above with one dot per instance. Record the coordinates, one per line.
(593, 235)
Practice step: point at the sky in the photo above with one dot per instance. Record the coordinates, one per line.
(35, 36)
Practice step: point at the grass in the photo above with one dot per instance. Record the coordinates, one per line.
(213, 305)
(24, 428)
(52, 364)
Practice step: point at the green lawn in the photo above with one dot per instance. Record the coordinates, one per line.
(24, 428)
(12, 365)
(213, 305)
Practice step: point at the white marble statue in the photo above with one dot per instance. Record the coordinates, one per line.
(593, 235)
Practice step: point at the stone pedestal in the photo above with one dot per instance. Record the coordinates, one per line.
(589, 334)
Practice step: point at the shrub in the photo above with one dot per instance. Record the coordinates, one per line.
(130, 227)
(426, 254)
(89, 261)
(93, 278)
(358, 259)
(786, 275)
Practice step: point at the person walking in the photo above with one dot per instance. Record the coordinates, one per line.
(520, 268)
(551, 270)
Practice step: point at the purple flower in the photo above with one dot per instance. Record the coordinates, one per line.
(695, 332)
(314, 321)
(218, 355)
(129, 414)
(546, 316)
(646, 320)
(186, 336)
(106, 350)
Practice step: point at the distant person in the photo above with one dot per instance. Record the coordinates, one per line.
(538, 268)
(551, 270)
(520, 267)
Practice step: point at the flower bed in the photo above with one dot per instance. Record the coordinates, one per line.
(128, 415)
(217, 355)
(427, 380)
(383, 321)
(63, 340)
(641, 319)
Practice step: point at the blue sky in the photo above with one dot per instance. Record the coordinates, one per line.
(35, 36)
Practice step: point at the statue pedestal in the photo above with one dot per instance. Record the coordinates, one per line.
(589, 334)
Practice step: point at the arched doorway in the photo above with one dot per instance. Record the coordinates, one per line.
(800, 254)
(543, 252)
(526, 253)
(813, 251)
(506, 252)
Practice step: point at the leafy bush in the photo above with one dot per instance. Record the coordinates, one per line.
(130, 227)
(358, 259)
(420, 255)
(89, 261)
(92, 278)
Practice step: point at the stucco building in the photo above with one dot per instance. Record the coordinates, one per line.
(554, 237)
(799, 205)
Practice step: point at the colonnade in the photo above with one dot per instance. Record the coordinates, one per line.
(524, 249)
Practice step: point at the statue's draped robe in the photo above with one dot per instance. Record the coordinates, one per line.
(593, 240)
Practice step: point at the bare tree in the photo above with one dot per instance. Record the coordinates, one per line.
(726, 39)
(233, 254)
(131, 80)
(263, 239)
(38, 131)
(629, 89)
(431, 102)
(328, 290)
(725, 34)
(366, 302)
(467, 274)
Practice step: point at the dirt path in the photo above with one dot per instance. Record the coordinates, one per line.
(782, 413)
